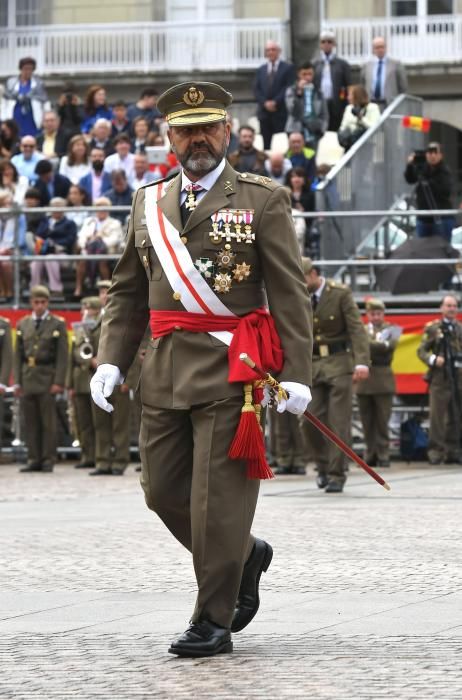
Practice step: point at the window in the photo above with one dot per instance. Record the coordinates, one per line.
(440, 7)
(193, 10)
(403, 8)
(28, 12)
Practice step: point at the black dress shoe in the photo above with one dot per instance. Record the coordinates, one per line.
(100, 472)
(84, 465)
(333, 487)
(47, 467)
(116, 471)
(298, 470)
(321, 482)
(203, 638)
(138, 468)
(248, 600)
(32, 467)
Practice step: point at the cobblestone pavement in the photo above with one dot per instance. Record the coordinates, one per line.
(363, 598)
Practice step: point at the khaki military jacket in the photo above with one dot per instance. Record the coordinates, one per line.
(41, 356)
(337, 322)
(6, 351)
(79, 370)
(381, 379)
(184, 368)
(432, 343)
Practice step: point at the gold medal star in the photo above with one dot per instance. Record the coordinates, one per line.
(241, 271)
(222, 283)
(225, 259)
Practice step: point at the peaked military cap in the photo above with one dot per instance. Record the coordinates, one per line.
(91, 302)
(104, 284)
(40, 292)
(374, 304)
(192, 103)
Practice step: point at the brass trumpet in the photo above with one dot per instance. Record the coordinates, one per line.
(86, 350)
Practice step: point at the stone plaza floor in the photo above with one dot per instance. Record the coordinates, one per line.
(363, 599)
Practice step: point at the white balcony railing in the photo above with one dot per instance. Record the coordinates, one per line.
(145, 48)
(413, 40)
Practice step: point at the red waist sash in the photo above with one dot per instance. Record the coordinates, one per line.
(254, 334)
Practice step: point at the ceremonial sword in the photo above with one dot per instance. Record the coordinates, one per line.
(327, 432)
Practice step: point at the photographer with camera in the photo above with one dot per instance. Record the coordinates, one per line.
(358, 117)
(441, 350)
(306, 107)
(434, 186)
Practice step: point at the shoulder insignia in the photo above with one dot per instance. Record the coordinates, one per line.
(258, 180)
(4, 319)
(56, 334)
(60, 318)
(431, 323)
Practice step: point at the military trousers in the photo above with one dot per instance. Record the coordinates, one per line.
(40, 421)
(289, 448)
(85, 427)
(112, 432)
(203, 497)
(445, 426)
(375, 412)
(2, 416)
(332, 403)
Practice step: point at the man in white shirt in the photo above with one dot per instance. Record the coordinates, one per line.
(122, 159)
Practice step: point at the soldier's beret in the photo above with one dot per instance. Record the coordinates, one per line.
(40, 292)
(374, 304)
(91, 303)
(307, 265)
(104, 284)
(192, 103)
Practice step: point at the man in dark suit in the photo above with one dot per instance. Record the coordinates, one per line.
(271, 82)
(332, 75)
(96, 181)
(50, 184)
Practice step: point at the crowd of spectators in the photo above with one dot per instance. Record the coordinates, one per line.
(83, 151)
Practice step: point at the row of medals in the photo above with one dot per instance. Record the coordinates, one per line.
(224, 270)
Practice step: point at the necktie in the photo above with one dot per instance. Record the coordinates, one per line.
(314, 302)
(271, 73)
(190, 202)
(326, 80)
(378, 81)
(38, 321)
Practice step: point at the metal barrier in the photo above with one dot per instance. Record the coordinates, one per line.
(368, 176)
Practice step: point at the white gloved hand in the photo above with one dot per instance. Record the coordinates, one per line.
(299, 398)
(103, 384)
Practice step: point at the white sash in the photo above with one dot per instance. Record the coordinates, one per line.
(182, 274)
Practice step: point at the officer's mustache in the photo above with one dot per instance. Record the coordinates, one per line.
(202, 146)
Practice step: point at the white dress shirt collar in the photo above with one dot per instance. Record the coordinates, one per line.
(206, 182)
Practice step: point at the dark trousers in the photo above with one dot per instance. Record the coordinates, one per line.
(271, 123)
(40, 422)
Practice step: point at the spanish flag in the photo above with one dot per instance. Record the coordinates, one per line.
(416, 123)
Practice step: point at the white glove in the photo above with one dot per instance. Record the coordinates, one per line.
(299, 398)
(103, 384)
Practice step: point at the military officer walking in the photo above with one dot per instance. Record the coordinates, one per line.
(441, 350)
(200, 251)
(78, 380)
(112, 430)
(340, 357)
(6, 364)
(40, 364)
(375, 394)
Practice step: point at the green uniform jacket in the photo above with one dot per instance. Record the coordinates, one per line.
(79, 371)
(6, 351)
(337, 322)
(432, 344)
(41, 356)
(183, 369)
(381, 379)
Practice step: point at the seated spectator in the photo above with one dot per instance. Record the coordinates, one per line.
(51, 140)
(120, 194)
(302, 199)
(100, 234)
(26, 161)
(120, 122)
(95, 107)
(36, 222)
(75, 165)
(301, 156)
(247, 159)
(101, 137)
(9, 138)
(49, 183)
(25, 98)
(140, 128)
(142, 174)
(306, 107)
(277, 167)
(7, 243)
(359, 115)
(122, 159)
(146, 107)
(70, 112)
(13, 182)
(77, 197)
(59, 238)
(97, 181)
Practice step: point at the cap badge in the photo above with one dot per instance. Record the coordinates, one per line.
(193, 97)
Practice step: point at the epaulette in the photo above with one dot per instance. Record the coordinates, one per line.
(333, 284)
(60, 318)
(4, 319)
(258, 180)
(432, 323)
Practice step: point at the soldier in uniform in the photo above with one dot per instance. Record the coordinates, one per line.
(78, 380)
(340, 358)
(200, 252)
(112, 430)
(375, 394)
(6, 363)
(441, 350)
(40, 364)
